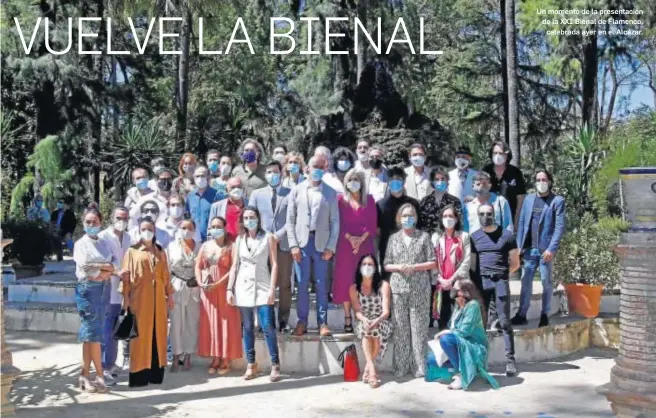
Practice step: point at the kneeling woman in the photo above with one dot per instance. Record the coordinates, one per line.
(370, 297)
(148, 293)
(465, 342)
(252, 288)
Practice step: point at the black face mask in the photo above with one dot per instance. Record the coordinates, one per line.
(486, 220)
(453, 293)
(376, 163)
(164, 185)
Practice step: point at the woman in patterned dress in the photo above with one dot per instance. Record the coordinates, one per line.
(370, 296)
(410, 257)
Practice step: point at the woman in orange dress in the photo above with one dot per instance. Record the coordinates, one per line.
(219, 336)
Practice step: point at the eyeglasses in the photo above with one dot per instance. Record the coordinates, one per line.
(152, 211)
(485, 214)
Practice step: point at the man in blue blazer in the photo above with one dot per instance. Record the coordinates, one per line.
(271, 202)
(540, 228)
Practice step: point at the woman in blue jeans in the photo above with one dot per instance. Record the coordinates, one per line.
(252, 287)
(465, 342)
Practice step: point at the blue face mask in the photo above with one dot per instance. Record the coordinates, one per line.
(408, 222)
(60, 206)
(217, 233)
(317, 174)
(92, 230)
(273, 179)
(38, 204)
(396, 186)
(249, 157)
(343, 165)
(213, 166)
(293, 168)
(250, 224)
(142, 184)
(440, 185)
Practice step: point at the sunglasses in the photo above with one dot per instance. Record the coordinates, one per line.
(486, 214)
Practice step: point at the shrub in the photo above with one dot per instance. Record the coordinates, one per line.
(33, 241)
(586, 253)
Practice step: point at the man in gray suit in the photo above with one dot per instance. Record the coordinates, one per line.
(271, 202)
(312, 230)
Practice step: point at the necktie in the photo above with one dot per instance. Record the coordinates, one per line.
(463, 176)
(274, 198)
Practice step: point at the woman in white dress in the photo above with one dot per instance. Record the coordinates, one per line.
(252, 288)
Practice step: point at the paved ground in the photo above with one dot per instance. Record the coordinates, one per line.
(50, 365)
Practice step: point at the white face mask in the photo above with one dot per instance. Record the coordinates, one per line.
(187, 167)
(448, 222)
(542, 187)
(367, 271)
(176, 212)
(185, 234)
(279, 157)
(353, 186)
(201, 182)
(237, 193)
(147, 235)
(462, 163)
(498, 159)
(363, 157)
(120, 225)
(225, 170)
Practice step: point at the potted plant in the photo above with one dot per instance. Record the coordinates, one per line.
(33, 242)
(586, 263)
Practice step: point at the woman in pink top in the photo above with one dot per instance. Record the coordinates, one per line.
(357, 230)
(452, 250)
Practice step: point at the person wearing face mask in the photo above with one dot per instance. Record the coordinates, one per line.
(461, 179)
(94, 266)
(140, 193)
(362, 154)
(357, 230)
(147, 291)
(157, 165)
(329, 177)
(118, 239)
(417, 182)
(219, 335)
(344, 160)
(279, 153)
(453, 254)
(37, 212)
(165, 184)
(252, 288)
(496, 257)
(465, 342)
(252, 171)
(63, 221)
(541, 227)
(431, 206)
(313, 230)
(213, 158)
(150, 209)
(200, 200)
(231, 208)
(483, 195)
(371, 298)
(506, 179)
(176, 211)
(410, 258)
(220, 183)
(272, 203)
(292, 169)
(181, 255)
(387, 209)
(376, 177)
(184, 183)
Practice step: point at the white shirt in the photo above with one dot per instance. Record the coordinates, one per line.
(422, 183)
(314, 197)
(88, 250)
(172, 229)
(331, 180)
(377, 187)
(118, 251)
(134, 200)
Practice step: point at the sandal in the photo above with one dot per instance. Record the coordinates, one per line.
(374, 382)
(348, 328)
(365, 377)
(225, 368)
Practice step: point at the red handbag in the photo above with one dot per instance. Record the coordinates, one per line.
(348, 359)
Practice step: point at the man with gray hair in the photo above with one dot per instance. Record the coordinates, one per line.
(329, 176)
(251, 172)
(312, 231)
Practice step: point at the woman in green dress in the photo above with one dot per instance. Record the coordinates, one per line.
(465, 342)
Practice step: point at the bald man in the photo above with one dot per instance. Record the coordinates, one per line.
(230, 209)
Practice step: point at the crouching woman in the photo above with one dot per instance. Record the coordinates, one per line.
(465, 342)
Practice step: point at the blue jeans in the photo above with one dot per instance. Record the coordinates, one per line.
(449, 344)
(110, 345)
(533, 259)
(265, 314)
(310, 256)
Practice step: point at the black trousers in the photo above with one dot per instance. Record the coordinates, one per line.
(496, 296)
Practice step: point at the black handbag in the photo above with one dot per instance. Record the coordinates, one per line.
(191, 283)
(125, 326)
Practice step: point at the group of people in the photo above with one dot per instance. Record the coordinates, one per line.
(211, 247)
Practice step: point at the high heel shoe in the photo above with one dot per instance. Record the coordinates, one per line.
(101, 387)
(85, 385)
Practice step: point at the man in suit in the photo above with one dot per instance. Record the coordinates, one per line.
(272, 202)
(540, 228)
(461, 179)
(230, 209)
(417, 183)
(312, 230)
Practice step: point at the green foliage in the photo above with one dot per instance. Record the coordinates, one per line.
(586, 253)
(33, 241)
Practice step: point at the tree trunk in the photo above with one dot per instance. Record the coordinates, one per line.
(362, 42)
(183, 79)
(512, 80)
(117, 182)
(504, 70)
(613, 95)
(96, 125)
(590, 64)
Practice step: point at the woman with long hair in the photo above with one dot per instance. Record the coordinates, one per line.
(184, 183)
(357, 229)
(465, 342)
(148, 294)
(252, 287)
(293, 168)
(371, 299)
(219, 336)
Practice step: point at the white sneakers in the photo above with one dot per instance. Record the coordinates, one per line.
(456, 384)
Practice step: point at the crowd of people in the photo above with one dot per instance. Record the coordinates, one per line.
(202, 255)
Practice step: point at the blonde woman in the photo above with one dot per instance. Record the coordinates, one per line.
(293, 167)
(358, 218)
(184, 183)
